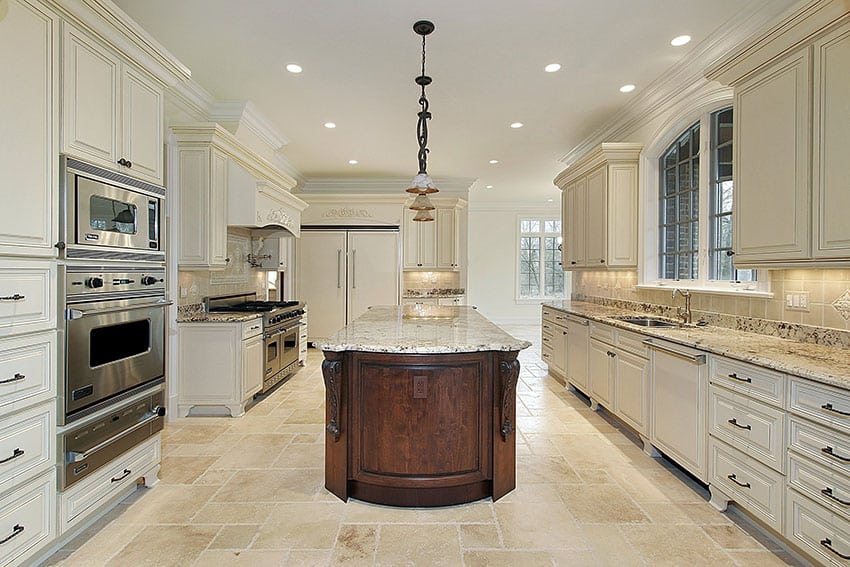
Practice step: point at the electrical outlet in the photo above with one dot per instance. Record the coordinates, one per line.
(184, 292)
(797, 301)
(804, 300)
(789, 300)
(420, 387)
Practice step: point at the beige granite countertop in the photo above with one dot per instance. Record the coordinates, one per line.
(828, 365)
(422, 329)
(218, 317)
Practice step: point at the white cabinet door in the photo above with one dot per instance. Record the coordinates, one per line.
(577, 351)
(410, 234)
(447, 239)
(772, 152)
(372, 271)
(143, 125)
(596, 229)
(831, 168)
(29, 115)
(252, 366)
(203, 208)
(600, 365)
(322, 265)
(574, 215)
(632, 390)
(420, 242)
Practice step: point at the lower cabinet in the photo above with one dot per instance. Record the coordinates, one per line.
(27, 518)
(600, 365)
(631, 390)
(221, 364)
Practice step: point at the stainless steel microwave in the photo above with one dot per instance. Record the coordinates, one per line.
(109, 216)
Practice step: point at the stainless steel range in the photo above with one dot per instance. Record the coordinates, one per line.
(282, 322)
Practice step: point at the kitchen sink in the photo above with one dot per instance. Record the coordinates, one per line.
(647, 322)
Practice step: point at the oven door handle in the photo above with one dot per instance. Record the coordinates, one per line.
(72, 314)
(281, 331)
(76, 457)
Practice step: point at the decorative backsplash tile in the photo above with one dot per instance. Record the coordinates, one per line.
(842, 304)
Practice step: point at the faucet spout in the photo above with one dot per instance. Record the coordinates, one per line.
(684, 314)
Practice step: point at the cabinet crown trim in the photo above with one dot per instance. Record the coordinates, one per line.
(605, 153)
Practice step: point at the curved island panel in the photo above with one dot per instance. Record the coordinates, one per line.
(420, 407)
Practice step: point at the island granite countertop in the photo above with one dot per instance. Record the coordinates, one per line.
(422, 329)
(829, 365)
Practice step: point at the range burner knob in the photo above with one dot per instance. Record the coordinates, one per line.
(150, 280)
(94, 282)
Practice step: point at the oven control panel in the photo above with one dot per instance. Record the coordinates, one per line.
(91, 282)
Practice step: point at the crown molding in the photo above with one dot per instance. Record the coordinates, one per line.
(110, 24)
(363, 185)
(359, 198)
(524, 208)
(248, 115)
(684, 79)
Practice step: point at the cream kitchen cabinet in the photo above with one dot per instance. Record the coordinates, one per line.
(599, 200)
(448, 257)
(457, 300)
(112, 111)
(420, 243)
(221, 364)
(29, 114)
(791, 139)
(553, 343)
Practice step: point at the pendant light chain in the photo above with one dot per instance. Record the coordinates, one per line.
(422, 185)
(424, 116)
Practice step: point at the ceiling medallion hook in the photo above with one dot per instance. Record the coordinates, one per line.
(422, 185)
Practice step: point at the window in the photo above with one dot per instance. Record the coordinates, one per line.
(695, 207)
(540, 272)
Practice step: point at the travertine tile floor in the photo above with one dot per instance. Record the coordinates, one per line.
(250, 491)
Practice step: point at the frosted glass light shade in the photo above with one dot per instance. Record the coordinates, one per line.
(422, 203)
(423, 216)
(423, 184)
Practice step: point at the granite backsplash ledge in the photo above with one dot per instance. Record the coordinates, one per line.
(799, 332)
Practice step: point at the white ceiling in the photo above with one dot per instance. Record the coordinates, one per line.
(486, 58)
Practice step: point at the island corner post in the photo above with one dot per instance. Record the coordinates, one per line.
(420, 429)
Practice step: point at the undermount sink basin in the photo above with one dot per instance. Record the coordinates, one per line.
(647, 322)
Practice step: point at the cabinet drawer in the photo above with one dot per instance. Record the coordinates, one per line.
(252, 328)
(28, 373)
(27, 443)
(602, 332)
(548, 315)
(816, 530)
(111, 480)
(632, 342)
(820, 403)
(751, 426)
(826, 487)
(27, 296)
(823, 445)
(27, 518)
(752, 485)
(761, 383)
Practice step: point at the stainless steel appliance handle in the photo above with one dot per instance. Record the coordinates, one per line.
(338, 268)
(353, 269)
(281, 331)
(71, 313)
(695, 358)
(75, 457)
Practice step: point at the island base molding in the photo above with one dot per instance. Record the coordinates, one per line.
(420, 430)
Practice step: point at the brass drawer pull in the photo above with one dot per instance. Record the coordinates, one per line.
(18, 452)
(827, 543)
(18, 529)
(734, 376)
(830, 453)
(830, 409)
(734, 422)
(828, 493)
(734, 479)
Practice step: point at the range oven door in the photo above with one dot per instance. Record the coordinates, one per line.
(112, 347)
(281, 350)
(289, 340)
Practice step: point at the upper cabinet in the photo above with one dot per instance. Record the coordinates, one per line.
(791, 137)
(112, 111)
(434, 245)
(599, 206)
(29, 118)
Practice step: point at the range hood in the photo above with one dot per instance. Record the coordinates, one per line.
(260, 205)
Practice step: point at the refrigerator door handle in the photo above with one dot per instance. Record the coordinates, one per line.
(354, 269)
(338, 268)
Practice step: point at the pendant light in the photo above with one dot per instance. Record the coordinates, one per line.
(422, 185)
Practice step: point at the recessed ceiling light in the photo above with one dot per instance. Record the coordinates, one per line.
(293, 68)
(550, 200)
(353, 161)
(330, 125)
(627, 88)
(494, 161)
(552, 67)
(488, 186)
(516, 125)
(680, 40)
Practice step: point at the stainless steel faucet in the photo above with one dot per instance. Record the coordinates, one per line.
(684, 314)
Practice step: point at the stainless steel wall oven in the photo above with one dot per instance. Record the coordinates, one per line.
(114, 336)
(109, 216)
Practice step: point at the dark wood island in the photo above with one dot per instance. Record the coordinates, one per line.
(420, 407)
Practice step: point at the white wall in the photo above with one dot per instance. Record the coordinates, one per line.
(492, 261)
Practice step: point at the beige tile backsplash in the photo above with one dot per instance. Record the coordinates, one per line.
(429, 280)
(823, 286)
